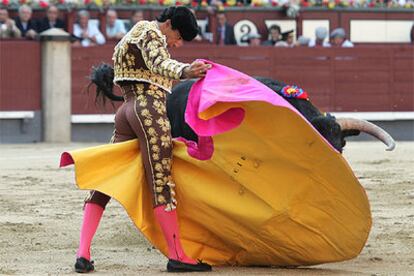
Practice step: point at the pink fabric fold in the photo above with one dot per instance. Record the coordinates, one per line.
(202, 150)
(223, 84)
(66, 160)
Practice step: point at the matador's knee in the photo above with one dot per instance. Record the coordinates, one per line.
(97, 198)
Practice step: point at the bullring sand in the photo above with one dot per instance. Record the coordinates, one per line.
(41, 212)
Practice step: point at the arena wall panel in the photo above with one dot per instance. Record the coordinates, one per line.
(20, 76)
(360, 79)
(82, 61)
(380, 30)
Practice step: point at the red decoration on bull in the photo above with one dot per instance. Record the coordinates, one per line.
(293, 91)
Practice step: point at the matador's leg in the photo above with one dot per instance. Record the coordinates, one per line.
(96, 202)
(151, 125)
(148, 119)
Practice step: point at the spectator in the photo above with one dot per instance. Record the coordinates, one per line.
(289, 38)
(321, 33)
(115, 28)
(302, 41)
(254, 39)
(135, 18)
(86, 32)
(282, 44)
(225, 32)
(338, 38)
(8, 28)
(51, 20)
(25, 23)
(274, 35)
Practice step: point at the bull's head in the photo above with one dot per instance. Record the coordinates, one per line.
(336, 130)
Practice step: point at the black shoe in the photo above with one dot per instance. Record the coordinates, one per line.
(177, 266)
(82, 265)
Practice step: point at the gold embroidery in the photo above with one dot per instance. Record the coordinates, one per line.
(141, 75)
(155, 148)
(155, 156)
(160, 107)
(161, 199)
(164, 124)
(145, 43)
(153, 140)
(147, 122)
(151, 131)
(166, 164)
(151, 112)
(143, 102)
(158, 167)
(165, 141)
(146, 113)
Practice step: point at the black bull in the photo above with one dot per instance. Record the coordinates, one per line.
(334, 130)
(328, 126)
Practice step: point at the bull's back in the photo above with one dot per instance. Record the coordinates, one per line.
(176, 104)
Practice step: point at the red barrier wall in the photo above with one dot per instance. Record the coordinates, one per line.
(359, 79)
(20, 76)
(82, 61)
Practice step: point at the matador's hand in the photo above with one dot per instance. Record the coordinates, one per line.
(197, 69)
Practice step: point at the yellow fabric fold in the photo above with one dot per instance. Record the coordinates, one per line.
(274, 193)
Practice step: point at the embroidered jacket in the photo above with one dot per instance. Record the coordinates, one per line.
(142, 55)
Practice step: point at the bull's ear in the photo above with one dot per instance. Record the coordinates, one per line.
(350, 132)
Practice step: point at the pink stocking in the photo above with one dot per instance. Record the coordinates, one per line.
(91, 217)
(169, 225)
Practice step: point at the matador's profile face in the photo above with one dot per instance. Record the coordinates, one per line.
(173, 36)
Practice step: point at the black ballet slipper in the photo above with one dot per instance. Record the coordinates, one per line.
(177, 266)
(83, 265)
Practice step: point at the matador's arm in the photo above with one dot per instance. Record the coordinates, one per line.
(157, 59)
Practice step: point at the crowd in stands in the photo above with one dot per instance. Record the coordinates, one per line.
(86, 31)
(337, 38)
(24, 26)
(276, 38)
(216, 3)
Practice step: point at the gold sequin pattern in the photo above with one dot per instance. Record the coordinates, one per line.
(150, 108)
(142, 55)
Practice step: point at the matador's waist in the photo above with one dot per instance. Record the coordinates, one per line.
(142, 75)
(132, 89)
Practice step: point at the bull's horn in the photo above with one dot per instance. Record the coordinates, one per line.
(367, 127)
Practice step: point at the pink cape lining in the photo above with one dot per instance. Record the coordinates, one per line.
(66, 159)
(223, 84)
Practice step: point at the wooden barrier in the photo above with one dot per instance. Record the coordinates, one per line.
(20, 76)
(360, 79)
(363, 79)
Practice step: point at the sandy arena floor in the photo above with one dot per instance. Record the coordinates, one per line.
(41, 211)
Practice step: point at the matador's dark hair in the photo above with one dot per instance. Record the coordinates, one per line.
(182, 19)
(103, 78)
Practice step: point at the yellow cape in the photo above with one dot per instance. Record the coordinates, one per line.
(274, 193)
